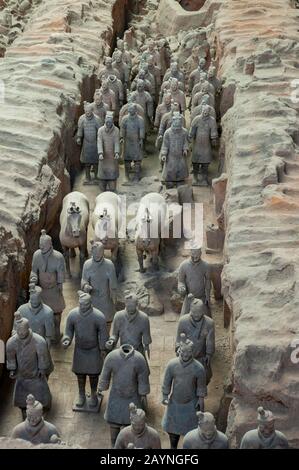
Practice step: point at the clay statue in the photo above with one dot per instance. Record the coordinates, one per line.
(195, 75)
(88, 126)
(74, 219)
(166, 121)
(132, 133)
(156, 72)
(184, 389)
(128, 371)
(145, 100)
(203, 83)
(117, 87)
(106, 222)
(99, 279)
(123, 69)
(204, 134)
(178, 95)
(150, 220)
(39, 315)
(35, 429)
(126, 56)
(162, 109)
(99, 108)
(200, 329)
(48, 271)
(191, 63)
(206, 435)
(108, 95)
(88, 325)
(194, 278)
(197, 98)
(108, 70)
(148, 76)
(174, 153)
(108, 150)
(150, 49)
(212, 78)
(124, 110)
(165, 88)
(131, 326)
(265, 436)
(175, 72)
(198, 109)
(141, 75)
(165, 55)
(28, 361)
(138, 435)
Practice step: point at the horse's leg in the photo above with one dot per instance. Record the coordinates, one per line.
(140, 259)
(66, 254)
(155, 258)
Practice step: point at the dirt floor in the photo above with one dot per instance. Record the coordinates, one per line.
(91, 431)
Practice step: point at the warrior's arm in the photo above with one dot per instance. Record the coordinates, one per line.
(182, 279)
(69, 330)
(165, 145)
(116, 141)
(113, 283)
(150, 107)
(143, 377)
(147, 339)
(102, 334)
(115, 331)
(49, 326)
(34, 269)
(80, 132)
(11, 357)
(167, 382)
(208, 284)
(100, 142)
(43, 355)
(210, 341)
(61, 270)
(141, 129)
(106, 373)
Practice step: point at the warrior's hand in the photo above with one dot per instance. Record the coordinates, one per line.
(185, 153)
(163, 158)
(101, 156)
(65, 343)
(78, 141)
(59, 286)
(214, 142)
(147, 350)
(121, 141)
(87, 288)
(165, 400)
(141, 143)
(200, 404)
(143, 402)
(182, 290)
(12, 374)
(116, 156)
(109, 344)
(207, 303)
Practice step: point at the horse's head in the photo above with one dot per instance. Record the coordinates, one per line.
(74, 217)
(104, 227)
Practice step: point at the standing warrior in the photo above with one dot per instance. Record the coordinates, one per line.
(194, 278)
(156, 72)
(265, 436)
(29, 362)
(35, 429)
(48, 271)
(108, 70)
(132, 133)
(116, 85)
(175, 72)
(120, 65)
(99, 279)
(195, 75)
(145, 100)
(174, 152)
(184, 389)
(88, 126)
(131, 326)
(205, 135)
(88, 325)
(200, 329)
(108, 150)
(197, 98)
(108, 95)
(178, 95)
(129, 373)
(99, 107)
(39, 315)
(206, 435)
(162, 109)
(199, 108)
(138, 435)
(121, 46)
(147, 84)
(124, 110)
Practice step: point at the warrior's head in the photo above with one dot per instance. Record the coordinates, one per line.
(45, 242)
(266, 422)
(131, 303)
(132, 109)
(137, 418)
(177, 121)
(195, 252)
(108, 62)
(98, 97)
(35, 293)
(22, 326)
(84, 301)
(109, 121)
(88, 109)
(97, 250)
(140, 86)
(185, 348)
(197, 308)
(34, 411)
(206, 424)
(174, 84)
(167, 99)
(174, 67)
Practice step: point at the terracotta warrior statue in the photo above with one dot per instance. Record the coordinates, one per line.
(48, 271)
(206, 435)
(128, 371)
(108, 95)
(175, 72)
(99, 279)
(138, 434)
(162, 109)
(35, 429)
(108, 150)
(145, 100)
(174, 153)
(194, 278)
(28, 361)
(195, 74)
(204, 134)
(88, 126)
(184, 389)
(88, 325)
(178, 95)
(141, 75)
(131, 326)
(123, 69)
(132, 134)
(124, 110)
(126, 56)
(200, 329)
(109, 69)
(166, 120)
(197, 111)
(99, 107)
(265, 436)
(39, 315)
(117, 87)
(156, 72)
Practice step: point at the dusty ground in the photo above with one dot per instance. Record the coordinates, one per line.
(91, 430)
